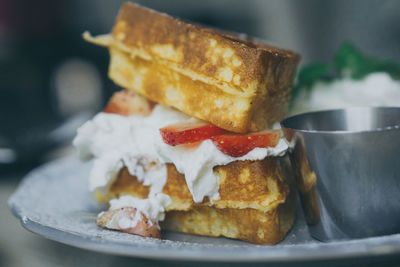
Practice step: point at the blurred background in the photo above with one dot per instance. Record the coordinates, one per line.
(51, 81)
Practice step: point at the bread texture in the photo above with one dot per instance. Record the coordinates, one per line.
(235, 83)
(250, 225)
(256, 201)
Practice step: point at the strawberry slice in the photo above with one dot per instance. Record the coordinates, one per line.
(127, 103)
(237, 145)
(185, 133)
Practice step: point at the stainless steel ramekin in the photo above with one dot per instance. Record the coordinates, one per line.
(347, 168)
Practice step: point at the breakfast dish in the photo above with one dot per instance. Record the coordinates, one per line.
(185, 146)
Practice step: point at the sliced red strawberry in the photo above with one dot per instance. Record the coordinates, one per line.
(237, 145)
(184, 133)
(128, 103)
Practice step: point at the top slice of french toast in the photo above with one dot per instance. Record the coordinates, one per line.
(257, 76)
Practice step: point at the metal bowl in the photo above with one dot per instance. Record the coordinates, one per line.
(347, 167)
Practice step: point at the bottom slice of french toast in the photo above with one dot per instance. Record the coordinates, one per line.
(257, 201)
(250, 225)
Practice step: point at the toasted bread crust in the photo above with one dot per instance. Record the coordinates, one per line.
(256, 201)
(250, 225)
(237, 84)
(196, 48)
(259, 184)
(195, 98)
(233, 112)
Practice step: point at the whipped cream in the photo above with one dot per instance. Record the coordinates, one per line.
(121, 220)
(115, 141)
(376, 89)
(153, 206)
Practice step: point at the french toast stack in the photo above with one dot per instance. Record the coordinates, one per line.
(237, 84)
(256, 201)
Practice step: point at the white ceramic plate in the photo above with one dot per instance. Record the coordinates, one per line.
(53, 201)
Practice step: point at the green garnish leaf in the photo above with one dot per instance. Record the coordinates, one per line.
(350, 61)
(312, 73)
(308, 76)
(377, 65)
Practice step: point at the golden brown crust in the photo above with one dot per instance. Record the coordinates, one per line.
(234, 112)
(143, 28)
(242, 184)
(195, 98)
(245, 224)
(237, 84)
(256, 201)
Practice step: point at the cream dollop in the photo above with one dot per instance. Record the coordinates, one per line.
(376, 89)
(115, 141)
(153, 206)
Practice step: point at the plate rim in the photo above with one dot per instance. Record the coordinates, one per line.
(371, 247)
